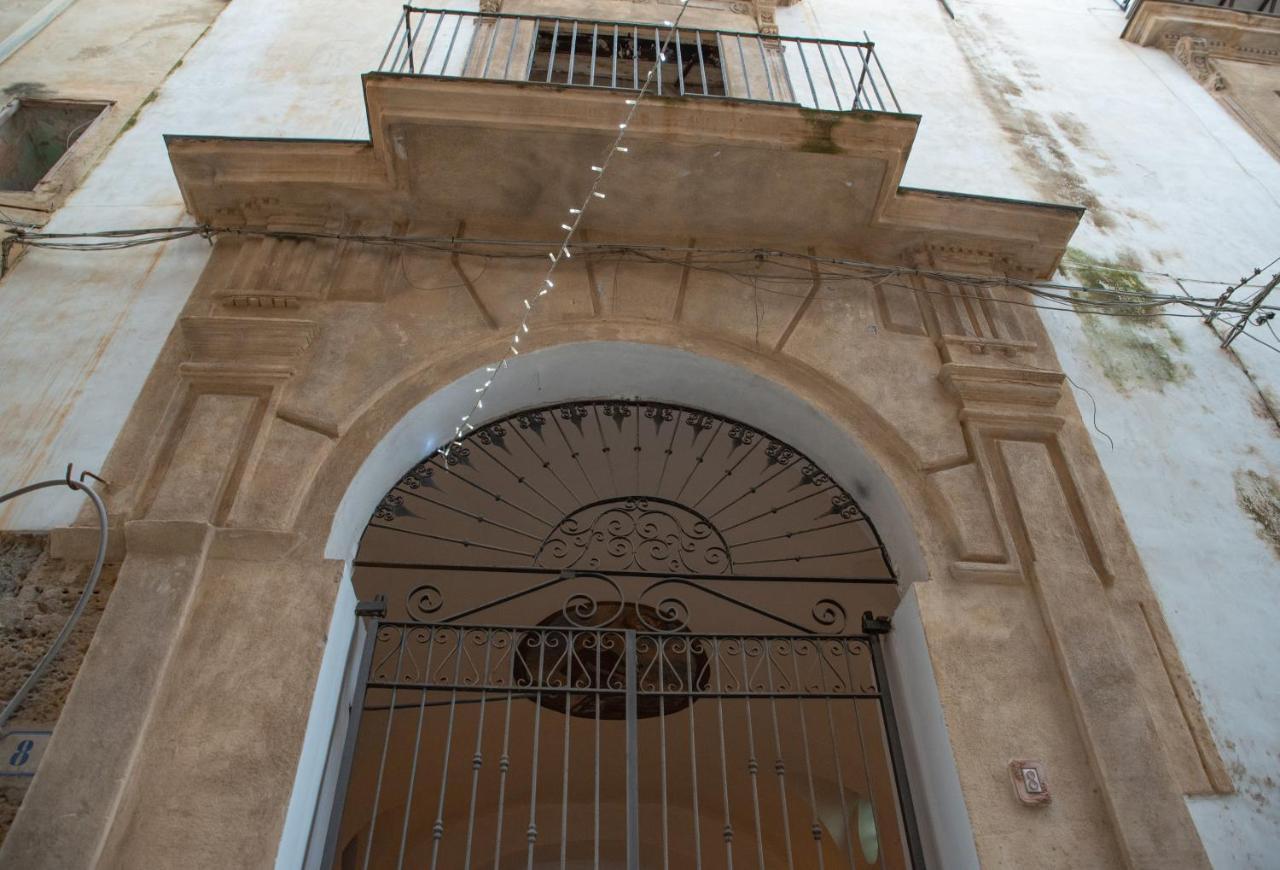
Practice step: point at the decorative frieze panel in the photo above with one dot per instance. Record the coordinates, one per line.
(272, 343)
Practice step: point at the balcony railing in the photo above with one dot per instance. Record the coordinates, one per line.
(816, 73)
(1266, 7)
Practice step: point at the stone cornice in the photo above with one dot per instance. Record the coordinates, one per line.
(1034, 389)
(504, 157)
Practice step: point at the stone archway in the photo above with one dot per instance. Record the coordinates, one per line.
(722, 565)
(291, 398)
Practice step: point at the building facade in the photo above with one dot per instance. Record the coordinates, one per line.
(643, 434)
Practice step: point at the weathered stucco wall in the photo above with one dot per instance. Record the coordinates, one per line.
(1039, 100)
(37, 594)
(1043, 100)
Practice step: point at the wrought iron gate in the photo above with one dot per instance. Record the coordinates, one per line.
(695, 697)
(610, 736)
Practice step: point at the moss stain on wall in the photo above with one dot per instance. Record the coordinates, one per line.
(1135, 351)
(1259, 496)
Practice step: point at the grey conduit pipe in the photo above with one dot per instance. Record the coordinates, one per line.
(43, 665)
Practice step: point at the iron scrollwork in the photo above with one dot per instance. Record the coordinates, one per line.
(636, 534)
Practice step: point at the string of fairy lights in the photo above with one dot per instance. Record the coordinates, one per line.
(1047, 295)
(569, 227)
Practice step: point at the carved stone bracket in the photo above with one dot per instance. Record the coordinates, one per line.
(765, 18)
(1193, 53)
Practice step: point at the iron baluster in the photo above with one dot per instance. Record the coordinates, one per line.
(835, 753)
(693, 756)
(417, 745)
(555, 45)
(662, 749)
(657, 53)
(764, 62)
(702, 69)
(595, 832)
(753, 763)
(504, 760)
(397, 41)
(862, 748)
(746, 73)
(632, 755)
(595, 39)
(511, 48)
(444, 64)
(808, 77)
(531, 833)
(635, 58)
(493, 41)
(835, 91)
(613, 61)
(679, 62)
(435, 31)
(571, 648)
(386, 741)
(780, 763)
(533, 47)
(413, 39)
(408, 36)
(857, 84)
(816, 825)
(477, 757)
(871, 50)
(573, 52)
(724, 766)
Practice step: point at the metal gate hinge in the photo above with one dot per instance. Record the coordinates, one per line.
(872, 624)
(376, 607)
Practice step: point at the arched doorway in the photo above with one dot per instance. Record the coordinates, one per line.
(623, 634)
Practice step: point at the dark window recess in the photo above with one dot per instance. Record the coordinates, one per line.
(623, 60)
(35, 134)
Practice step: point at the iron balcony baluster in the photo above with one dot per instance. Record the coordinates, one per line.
(785, 57)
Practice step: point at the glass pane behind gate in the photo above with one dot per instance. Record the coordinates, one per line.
(486, 747)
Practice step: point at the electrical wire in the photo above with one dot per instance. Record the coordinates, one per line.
(1056, 296)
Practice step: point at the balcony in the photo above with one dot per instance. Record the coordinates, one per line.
(820, 74)
(1263, 7)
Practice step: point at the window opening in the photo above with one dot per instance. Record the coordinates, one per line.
(36, 134)
(575, 53)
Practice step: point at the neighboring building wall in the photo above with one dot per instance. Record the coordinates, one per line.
(1039, 99)
(1044, 100)
(37, 593)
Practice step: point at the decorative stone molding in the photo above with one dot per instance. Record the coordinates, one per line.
(1193, 53)
(246, 341)
(765, 18)
(490, 6)
(1008, 386)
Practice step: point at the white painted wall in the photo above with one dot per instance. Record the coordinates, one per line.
(1036, 99)
(1017, 98)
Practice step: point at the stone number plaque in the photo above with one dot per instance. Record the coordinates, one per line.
(1029, 782)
